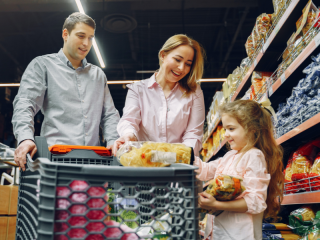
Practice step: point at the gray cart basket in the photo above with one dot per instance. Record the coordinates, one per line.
(82, 199)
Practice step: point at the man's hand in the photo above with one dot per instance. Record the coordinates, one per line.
(20, 154)
(120, 141)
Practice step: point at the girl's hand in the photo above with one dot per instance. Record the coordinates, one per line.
(122, 140)
(206, 201)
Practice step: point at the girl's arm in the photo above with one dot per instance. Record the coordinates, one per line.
(206, 171)
(206, 201)
(193, 135)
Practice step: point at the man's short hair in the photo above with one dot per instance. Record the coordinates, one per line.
(78, 17)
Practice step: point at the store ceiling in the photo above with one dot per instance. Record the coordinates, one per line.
(30, 28)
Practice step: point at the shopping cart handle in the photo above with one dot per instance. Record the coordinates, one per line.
(34, 165)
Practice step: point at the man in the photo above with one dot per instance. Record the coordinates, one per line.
(72, 94)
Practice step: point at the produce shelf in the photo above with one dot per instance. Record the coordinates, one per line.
(301, 198)
(270, 50)
(305, 127)
(295, 64)
(218, 149)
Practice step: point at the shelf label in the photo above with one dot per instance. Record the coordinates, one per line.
(270, 91)
(255, 63)
(317, 39)
(276, 30)
(283, 78)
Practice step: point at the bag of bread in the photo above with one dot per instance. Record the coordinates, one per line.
(314, 173)
(301, 220)
(154, 154)
(224, 188)
(290, 186)
(301, 167)
(258, 80)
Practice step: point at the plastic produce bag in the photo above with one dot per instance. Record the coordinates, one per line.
(224, 188)
(301, 220)
(152, 154)
(301, 166)
(277, 5)
(258, 79)
(263, 24)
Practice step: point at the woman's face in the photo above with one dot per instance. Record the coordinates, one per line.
(177, 63)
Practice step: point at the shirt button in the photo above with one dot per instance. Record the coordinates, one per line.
(85, 116)
(82, 101)
(86, 134)
(79, 85)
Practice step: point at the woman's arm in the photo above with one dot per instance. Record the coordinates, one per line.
(193, 135)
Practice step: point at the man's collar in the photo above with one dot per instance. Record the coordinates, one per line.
(66, 61)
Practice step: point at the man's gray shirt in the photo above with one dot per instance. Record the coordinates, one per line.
(74, 102)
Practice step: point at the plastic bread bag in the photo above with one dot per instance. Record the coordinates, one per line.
(277, 5)
(301, 166)
(224, 188)
(258, 79)
(154, 154)
(314, 172)
(263, 24)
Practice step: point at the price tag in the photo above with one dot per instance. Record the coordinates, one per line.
(276, 30)
(270, 91)
(283, 78)
(266, 45)
(317, 39)
(255, 63)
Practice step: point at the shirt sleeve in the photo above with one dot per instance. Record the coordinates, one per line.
(110, 117)
(131, 118)
(29, 100)
(194, 131)
(256, 181)
(206, 171)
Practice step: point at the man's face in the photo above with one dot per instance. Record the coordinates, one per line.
(78, 43)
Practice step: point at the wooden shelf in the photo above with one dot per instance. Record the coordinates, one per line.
(301, 198)
(295, 64)
(301, 128)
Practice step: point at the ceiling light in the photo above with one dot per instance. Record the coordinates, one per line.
(94, 43)
(146, 71)
(213, 80)
(9, 84)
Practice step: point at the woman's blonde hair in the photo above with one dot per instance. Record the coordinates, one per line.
(189, 82)
(259, 128)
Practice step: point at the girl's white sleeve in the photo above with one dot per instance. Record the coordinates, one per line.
(256, 180)
(206, 171)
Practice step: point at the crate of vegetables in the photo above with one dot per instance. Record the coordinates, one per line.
(73, 201)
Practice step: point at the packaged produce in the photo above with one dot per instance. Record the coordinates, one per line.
(252, 43)
(224, 188)
(278, 5)
(244, 64)
(301, 220)
(263, 24)
(315, 171)
(153, 154)
(258, 79)
(301, 166)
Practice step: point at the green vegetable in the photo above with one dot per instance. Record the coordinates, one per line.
(128, 215)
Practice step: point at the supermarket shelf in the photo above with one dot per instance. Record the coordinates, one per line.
(295, 64)
(214, 128)
(218, 149)
(270, 50)
(305, 127)
(301, 198)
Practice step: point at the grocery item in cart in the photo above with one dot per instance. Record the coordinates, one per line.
(224, 188)
(153, 154)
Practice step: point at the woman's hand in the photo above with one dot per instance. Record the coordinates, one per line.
(122, 140)
(206, 201)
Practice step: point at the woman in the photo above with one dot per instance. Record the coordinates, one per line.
(169, 106)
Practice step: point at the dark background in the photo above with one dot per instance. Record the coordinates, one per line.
(30, 28)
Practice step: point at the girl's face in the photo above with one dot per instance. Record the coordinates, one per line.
(177, 63)
(235, 133)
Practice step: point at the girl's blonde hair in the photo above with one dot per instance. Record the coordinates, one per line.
(259, 128)
(189, 82)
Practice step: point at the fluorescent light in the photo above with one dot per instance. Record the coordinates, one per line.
(78, 2)
(147, 71)
(94, 43)
(9, 84)
(96, 49)
(213, 80)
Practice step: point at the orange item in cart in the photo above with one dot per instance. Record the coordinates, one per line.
(63, 149)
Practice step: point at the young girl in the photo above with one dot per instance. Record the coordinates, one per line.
(257, 159)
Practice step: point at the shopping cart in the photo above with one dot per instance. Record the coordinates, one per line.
(81, 195)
